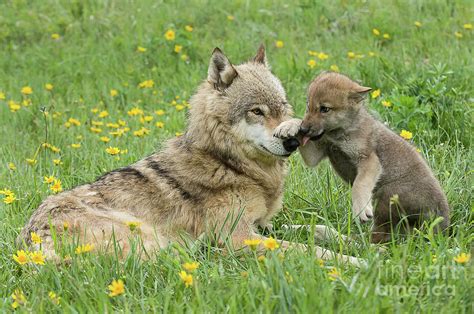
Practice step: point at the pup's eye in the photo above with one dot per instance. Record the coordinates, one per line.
(257, 112)
(324, 109)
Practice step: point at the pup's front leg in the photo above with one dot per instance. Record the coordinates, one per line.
(312, 152)
(288, 129)
(368, 173)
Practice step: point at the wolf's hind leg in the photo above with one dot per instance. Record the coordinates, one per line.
(321, 232)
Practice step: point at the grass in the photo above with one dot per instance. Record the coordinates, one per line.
(425, 72)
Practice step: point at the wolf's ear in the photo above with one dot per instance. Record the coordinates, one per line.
(358, 93)
(221, 73)
(261, 56)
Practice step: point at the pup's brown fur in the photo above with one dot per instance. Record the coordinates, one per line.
(227, 165)
(378, 163)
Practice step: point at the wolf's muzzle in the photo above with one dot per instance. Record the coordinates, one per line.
(291, 144)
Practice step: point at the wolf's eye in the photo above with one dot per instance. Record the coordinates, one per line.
(257, 112)
(324, 109)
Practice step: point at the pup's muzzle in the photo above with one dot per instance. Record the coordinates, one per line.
(291, 144)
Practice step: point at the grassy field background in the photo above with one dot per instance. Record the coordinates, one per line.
(95, 54)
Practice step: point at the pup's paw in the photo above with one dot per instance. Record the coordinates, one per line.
(288, 129)
(364, 213)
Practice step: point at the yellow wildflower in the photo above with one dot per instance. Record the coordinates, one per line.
(76, 145)
(252, 243)
(186, 278)
(19, 298)
(458, 34)
(9, 198)
(178, 134)
(105, 139)
(96, 130)
(113, 125)
(113, 92)
(311, 63)
(146, 84)
(279, 44)
(56, 187)
(371, 54)
(49, 179)
(27, 90)
(376, 32)
(117, 287)
(375, 93)
(11, 166)
(103, 114)
(112, 150)
(85, 248)
(190, 267)
(170, 35)
(36, 238)
(133, 225)
(418, 24)
(271, 244)
(159, 124)
(55, 36)
(334, 68)
(312, 53)
(322, 56)
(334, 274)
(57, 162)
(184, 57)
(261, 258)
(2, 96)
(386, 36)
(230, 17)
(13, 106)
(49, 86)
(141, 49)
(351, 55)
(37, 257)
(54, 298)
(21, 257)
(31, 161)
(188, 28)
(462, 258)
(74, 121)
(178, 48)
(406, 134)
(179, 107)
(467, 26)
(95, 110)
(135, 111)
(159, 112)
(386, 103)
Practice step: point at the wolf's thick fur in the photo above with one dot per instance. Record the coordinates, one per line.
(378, 163)
(226, 166)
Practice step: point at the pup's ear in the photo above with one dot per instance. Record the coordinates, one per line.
(358, 93)
(221, 73)
(261, 56)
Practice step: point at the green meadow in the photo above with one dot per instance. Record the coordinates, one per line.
(105, 83)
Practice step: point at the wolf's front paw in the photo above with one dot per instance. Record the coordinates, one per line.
(288, 129)
(364, 213)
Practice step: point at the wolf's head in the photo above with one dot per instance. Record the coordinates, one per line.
(237, 109)
(333, 103)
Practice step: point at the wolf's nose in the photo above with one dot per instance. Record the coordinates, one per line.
(291, 144)
(304, 130)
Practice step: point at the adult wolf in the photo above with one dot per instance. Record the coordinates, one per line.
(222, 178)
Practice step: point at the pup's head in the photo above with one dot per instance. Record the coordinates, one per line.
(240, 106)
(333, 102)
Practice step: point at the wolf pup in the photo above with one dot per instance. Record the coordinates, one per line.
(222, 178)
(379, 164)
